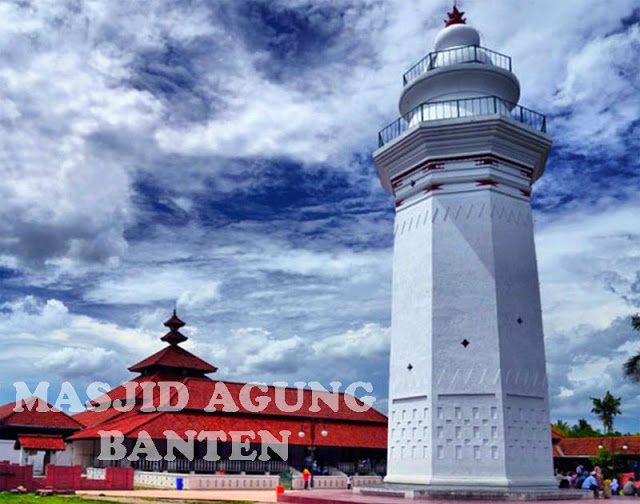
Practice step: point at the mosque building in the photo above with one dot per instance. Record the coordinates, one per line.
(334, 430)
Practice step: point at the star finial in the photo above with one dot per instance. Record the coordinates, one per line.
(455, 16)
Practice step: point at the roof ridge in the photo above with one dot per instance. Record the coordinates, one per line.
(34, 407)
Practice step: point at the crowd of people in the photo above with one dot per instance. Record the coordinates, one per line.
(593, 480)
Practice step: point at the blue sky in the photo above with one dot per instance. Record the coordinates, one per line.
(217, 155)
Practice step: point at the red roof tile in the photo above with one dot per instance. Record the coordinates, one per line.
(588, 447)
(338, 433)
(201, 392)
(174, 356)
(349, 428)
(30, 416)
(41, 442)
(92, 417)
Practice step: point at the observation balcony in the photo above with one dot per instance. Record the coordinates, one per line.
(455, 56)
(464, 107)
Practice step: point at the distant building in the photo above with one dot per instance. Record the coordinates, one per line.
(568, 453)
(33, 437)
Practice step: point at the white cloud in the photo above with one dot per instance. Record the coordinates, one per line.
(588, 261)
(47, 342)
(121, 124)
(367, 341)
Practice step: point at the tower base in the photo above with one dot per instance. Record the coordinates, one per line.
(391, 493)
(467, 492)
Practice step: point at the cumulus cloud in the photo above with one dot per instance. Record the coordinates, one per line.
(217, 156)
(47, 342)
(589, 266)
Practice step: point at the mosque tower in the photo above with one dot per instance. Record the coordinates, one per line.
(468, 398)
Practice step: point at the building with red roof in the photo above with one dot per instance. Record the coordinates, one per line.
(324, 427)
(32, 431)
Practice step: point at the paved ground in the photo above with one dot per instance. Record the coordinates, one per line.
(137, 496)
(348, 497)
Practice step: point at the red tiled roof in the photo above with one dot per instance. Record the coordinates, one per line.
(588, 447)
(556, 450)
(350, 428)
(41, 442)
(174, 356)
(91, 417)
(155, 424)
(201, 391)
(30, 416)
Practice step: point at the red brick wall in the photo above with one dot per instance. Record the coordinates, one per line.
(14, 475)
(119, 478)
(63, 478)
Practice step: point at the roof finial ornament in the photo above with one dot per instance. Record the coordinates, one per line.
(174, 336)
(455, 16)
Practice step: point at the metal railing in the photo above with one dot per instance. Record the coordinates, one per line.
(362, 467)
(208, 467)
(464, 107)
(466, 54)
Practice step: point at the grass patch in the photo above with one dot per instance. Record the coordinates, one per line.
(9, 498)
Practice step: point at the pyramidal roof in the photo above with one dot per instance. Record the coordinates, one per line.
(173, 357)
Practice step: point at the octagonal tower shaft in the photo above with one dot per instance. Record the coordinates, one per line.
(468, 398)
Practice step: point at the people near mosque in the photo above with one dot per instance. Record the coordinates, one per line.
(630, 487)
(581, 475)
(591, 483)
(599, 477)
(615, 486)
(306, 476)
(572, 479)
(562, 479)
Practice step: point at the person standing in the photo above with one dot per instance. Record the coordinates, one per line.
(306, 475)
(629, 487)
(615, 486)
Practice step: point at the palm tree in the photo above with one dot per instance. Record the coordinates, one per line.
(606, 408)
(562, 427)
(631, 368)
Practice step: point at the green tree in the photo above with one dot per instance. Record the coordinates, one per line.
(562, 427)
(606, 461)
(583, 429)
(607, 409)
(631, 368)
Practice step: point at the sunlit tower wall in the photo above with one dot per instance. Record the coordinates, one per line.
(468, 391)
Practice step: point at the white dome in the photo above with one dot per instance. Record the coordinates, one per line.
(457, 35)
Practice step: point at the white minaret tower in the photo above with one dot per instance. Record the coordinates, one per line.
(468, 392)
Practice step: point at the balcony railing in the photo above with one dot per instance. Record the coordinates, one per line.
(464, 107)
(466, 54)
